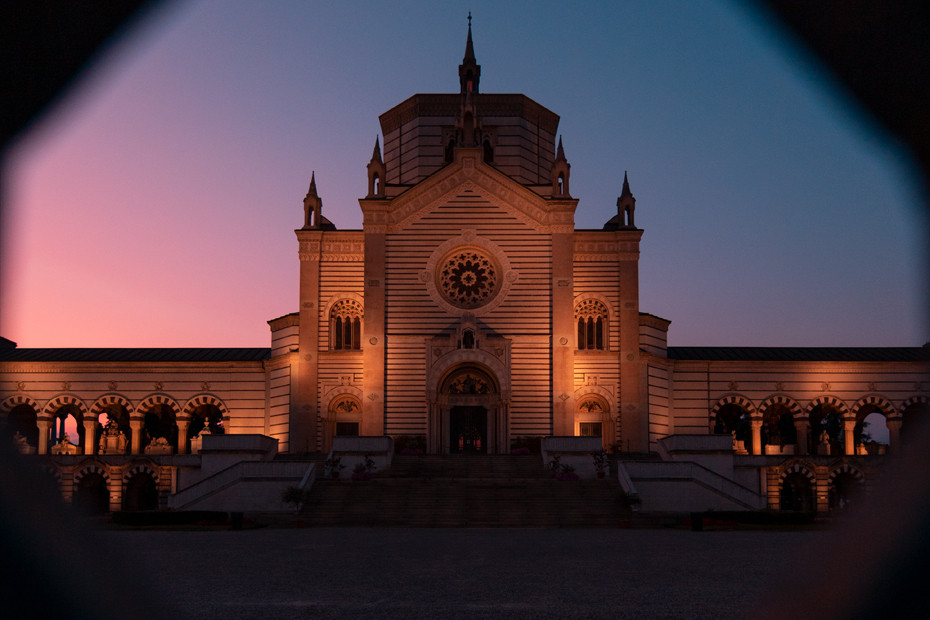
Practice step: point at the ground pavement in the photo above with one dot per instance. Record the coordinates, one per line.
(462, 573)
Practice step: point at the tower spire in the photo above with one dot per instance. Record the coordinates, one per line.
(626, 205)
(469, 70)
(313, 206)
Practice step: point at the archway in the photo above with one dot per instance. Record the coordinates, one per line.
(914, 413)
(845, 485)
(159, 423)
(471, 412)
(68, 422)
(731, 419)
(91, 495)
(592, 419)
(797, 492)
(826, 436)
(207, 416)
(21, 420)
(141, 492)
(778, 426)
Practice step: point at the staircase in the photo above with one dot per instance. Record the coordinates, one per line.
(464, 491)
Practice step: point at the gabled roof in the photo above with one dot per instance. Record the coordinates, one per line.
(136, 355)
(801, 354)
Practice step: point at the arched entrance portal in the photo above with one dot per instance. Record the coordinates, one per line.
(471, 415)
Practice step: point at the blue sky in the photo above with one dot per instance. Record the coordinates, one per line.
(157, 207)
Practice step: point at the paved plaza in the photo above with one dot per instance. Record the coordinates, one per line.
(459, 573)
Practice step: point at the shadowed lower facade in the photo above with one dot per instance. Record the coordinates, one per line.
(469, 316)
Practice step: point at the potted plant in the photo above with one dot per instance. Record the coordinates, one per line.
(295, 495)
(332, 466)
(364, 471)
(601, 464)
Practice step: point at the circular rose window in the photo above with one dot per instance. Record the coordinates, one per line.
(468, 278)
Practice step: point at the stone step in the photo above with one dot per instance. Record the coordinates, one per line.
(464, 502)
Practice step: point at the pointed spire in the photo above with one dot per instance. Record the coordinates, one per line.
(313, 206)
(626, 187)
(560, 152)
(311, 193)
(469, 46)
(376, 154)
(469, 70)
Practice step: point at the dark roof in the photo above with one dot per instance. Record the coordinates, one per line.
(134, 355)
(801, 354)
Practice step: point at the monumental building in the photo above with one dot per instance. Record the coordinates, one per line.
(469, 315)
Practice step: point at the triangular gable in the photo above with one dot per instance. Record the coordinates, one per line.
(469, 174)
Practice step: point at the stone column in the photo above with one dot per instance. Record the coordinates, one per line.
(135, 424)
(894, 432)
(45, 427)
(182, 423)
(90, 428)
(849, 427)
(801, 426)
(756, 424)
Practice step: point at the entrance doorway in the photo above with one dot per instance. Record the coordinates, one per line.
(468, 428)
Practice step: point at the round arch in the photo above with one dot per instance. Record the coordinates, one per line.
(19, 414)
(342, 413)
(102, 403)
(161, 428)
(731, 414)
(797, 487)
(778, 413)
(827, 400)
(874, 402)
(595, 405)
(204, 399)
(843, 484)
(76, 409)
(7, 404)
(91, 489)
(448, 363)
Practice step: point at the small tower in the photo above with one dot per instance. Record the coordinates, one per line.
(626, 205)
(469, 70)
(560, 172)
(376, 173)
(313, 205)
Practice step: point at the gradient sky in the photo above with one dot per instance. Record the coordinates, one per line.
(157, 207)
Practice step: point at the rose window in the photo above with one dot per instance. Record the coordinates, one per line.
(468, 278)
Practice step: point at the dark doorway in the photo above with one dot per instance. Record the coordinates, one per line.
(141, 493)
(797, 493)
(468, 428)
(91, 495)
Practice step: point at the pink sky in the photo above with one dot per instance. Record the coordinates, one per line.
(157, 207)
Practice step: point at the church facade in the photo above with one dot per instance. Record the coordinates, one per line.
(468, 315)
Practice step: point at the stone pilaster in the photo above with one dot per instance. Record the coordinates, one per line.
(634, 414)
(373, 338)
(303, 436)
(563, 335)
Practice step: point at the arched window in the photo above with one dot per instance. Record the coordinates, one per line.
(345, 325)
(488, 152)
(591, 316)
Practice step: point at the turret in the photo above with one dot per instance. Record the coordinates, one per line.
(560, 171)
(376, 173)
(313, 209)
(626, 205)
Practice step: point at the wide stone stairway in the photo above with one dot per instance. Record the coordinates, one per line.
(464, 491)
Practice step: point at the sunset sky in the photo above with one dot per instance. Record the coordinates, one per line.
(157, 206)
